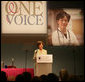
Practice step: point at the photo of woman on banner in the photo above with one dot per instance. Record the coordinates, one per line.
(63, 35)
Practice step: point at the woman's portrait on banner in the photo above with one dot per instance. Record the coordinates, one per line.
(65, 27)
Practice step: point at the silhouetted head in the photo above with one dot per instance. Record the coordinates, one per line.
(3, 76)
(27, 76)
(44, 78)
(19, 78)
(53, 77)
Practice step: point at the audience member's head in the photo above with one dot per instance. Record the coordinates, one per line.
(3, 76)
(27, 76)
(53, 77)
(36, 78)
(44, 78)
(63, 75)
(19, 77)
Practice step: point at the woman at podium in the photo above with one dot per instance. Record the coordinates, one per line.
(40, 50)
(43, 62)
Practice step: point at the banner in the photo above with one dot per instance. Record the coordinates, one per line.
(66, 27)
(24, 17)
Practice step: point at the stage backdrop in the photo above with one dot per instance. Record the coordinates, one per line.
(24, 17)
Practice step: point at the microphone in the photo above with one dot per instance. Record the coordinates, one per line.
(36, 51)
(35, 54)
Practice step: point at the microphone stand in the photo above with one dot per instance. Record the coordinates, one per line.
(26, 51)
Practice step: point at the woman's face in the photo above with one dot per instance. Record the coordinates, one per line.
(63, 22)
(41, 46)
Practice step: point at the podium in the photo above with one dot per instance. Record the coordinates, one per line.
(43, 64)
